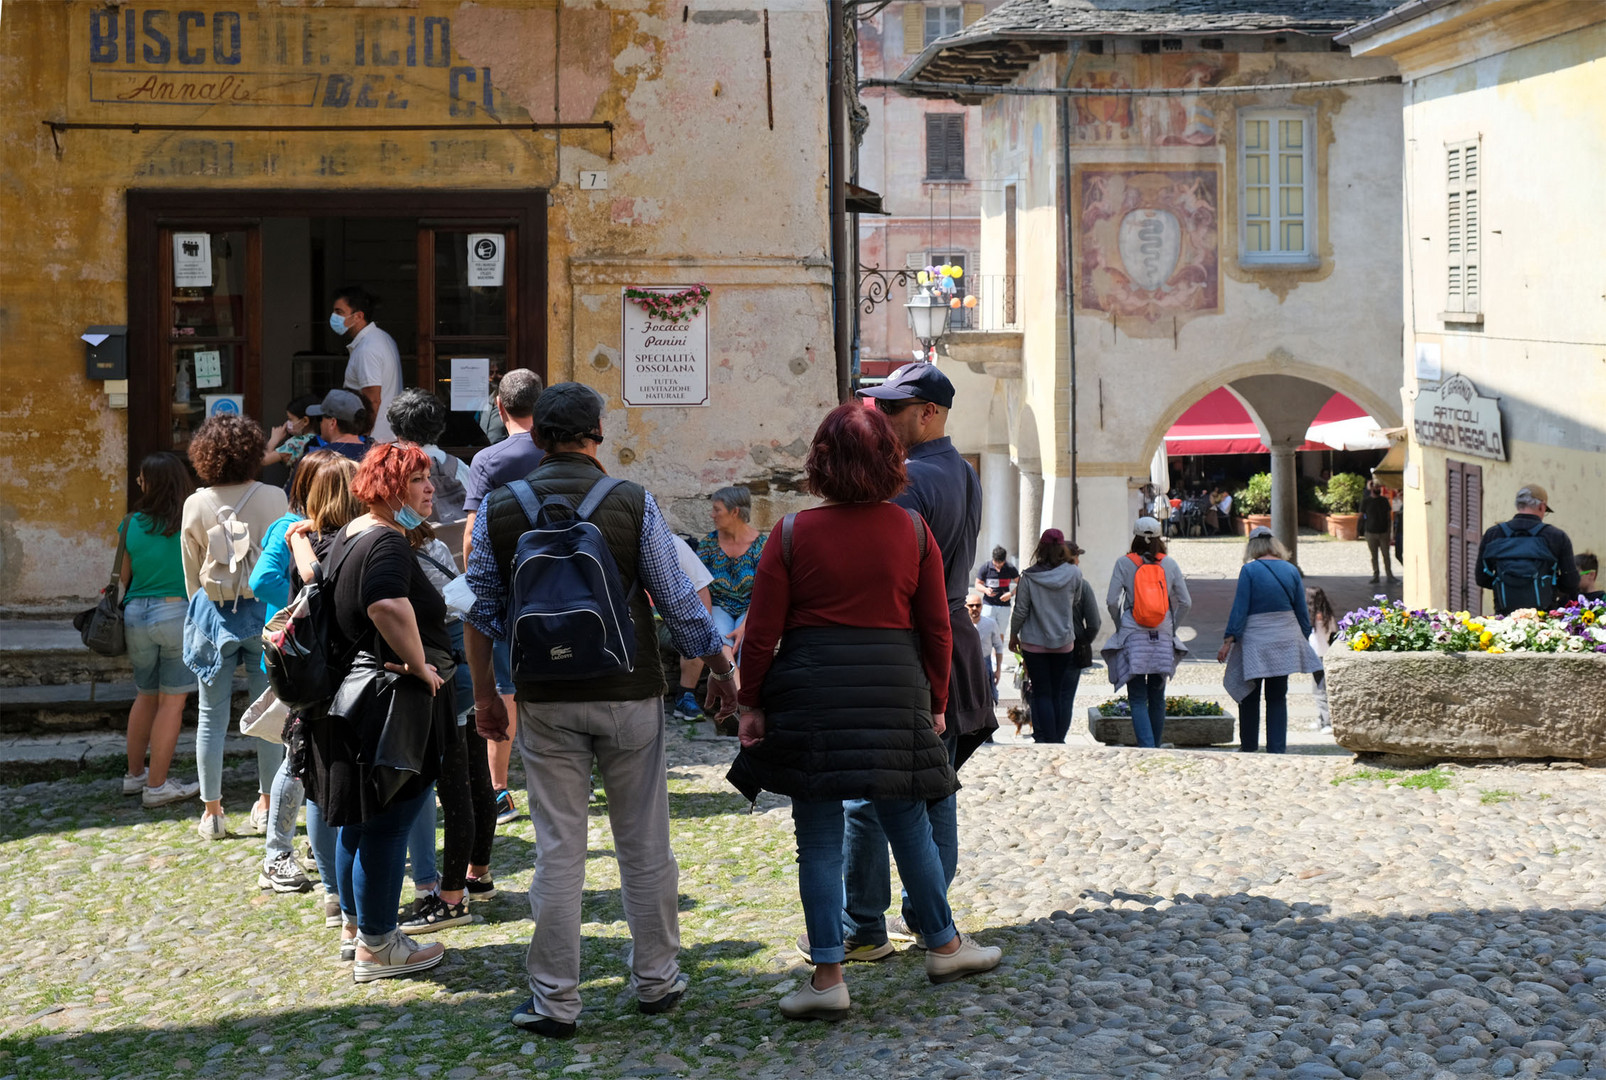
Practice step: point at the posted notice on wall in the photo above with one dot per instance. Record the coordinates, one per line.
(486, 253)
(471, 383)
(192, 260)
(666, 363)
(224, 405)
(208, 369)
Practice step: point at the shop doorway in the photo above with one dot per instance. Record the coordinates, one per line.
(230, 292)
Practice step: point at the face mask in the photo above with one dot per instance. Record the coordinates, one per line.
(408, 518)
(337, 322)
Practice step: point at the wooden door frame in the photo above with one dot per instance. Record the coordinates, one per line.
(152, 209)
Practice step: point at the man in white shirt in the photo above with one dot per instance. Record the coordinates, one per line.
(374, 370)
(1224, 507)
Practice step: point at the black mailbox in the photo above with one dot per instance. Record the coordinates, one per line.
(106, 352)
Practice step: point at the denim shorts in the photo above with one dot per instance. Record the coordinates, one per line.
(502, 664)
(154, 630)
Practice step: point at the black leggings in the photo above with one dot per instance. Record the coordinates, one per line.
(468, 804)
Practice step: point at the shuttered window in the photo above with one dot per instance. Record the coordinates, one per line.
(1465, 531)
(1276, 173)
(1463, 244)
(945, 146)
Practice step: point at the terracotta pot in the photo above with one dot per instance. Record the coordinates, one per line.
(1313, 519)
(1344, 526)
(1248, 522)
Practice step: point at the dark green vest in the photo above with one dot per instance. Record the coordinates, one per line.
(619, 518)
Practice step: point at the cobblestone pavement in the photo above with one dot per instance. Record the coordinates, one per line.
(1162, 914)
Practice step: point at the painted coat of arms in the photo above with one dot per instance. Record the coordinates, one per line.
(1148, 240)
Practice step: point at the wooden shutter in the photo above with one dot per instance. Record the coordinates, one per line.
(1463, 169)
(974, 12)
(916, 261)
(954, 141)
(1455, 501)
(945, 146)
(914, 29)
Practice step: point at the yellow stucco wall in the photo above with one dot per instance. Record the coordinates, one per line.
(701, 188)
(1540, 113)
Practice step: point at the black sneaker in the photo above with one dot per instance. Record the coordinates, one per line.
(282, 875)
(505, 810)
(479, 888)
(436, 914)
(525, 1018)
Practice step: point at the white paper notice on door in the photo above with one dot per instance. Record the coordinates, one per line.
(192, 260)
(208, 369)
(485, 254)
(471, 383)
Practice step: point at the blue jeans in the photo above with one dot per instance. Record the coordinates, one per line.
(154, 630)
(502, 665)
(908, 828)
(1054, 678)
(727, 623)
(421, 845)
(370, 860)
(325, 840)
(216, 703)
(283, 801)
(867, 871)
(1146, 696)
(1276, 717)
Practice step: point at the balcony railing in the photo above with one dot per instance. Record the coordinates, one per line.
(997, 307)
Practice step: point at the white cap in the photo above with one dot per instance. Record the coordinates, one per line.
(1146, 527)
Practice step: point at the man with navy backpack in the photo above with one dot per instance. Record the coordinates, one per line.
(1527, 563)
(562, 564)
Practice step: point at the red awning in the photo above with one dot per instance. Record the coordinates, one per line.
(1218, 423)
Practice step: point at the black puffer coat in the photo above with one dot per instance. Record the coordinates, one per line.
(847, 715)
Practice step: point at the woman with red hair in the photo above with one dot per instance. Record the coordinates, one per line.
(851, 705)
(369, 770)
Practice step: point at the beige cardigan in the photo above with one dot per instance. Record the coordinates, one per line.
(266, 505)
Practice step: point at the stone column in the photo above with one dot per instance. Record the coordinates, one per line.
(1031, 510)
(1000, 506)
(1285, 497)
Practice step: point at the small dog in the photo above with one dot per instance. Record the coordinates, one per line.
(1020, 715)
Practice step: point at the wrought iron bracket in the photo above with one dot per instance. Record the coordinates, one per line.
(876, 285)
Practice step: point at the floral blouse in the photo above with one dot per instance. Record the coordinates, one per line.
(732, 587)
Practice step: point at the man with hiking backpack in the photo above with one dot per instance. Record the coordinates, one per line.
(1526, 563)
(562, 563)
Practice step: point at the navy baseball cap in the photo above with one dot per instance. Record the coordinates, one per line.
(917, 380)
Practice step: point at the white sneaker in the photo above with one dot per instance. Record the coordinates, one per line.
(133, 785)
(807, 1003)
(212, 827)
(170, 791)
(259, 819)
(970, 959)
(400, 955)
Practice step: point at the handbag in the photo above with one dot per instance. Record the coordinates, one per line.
(101, 627)
(265, 718)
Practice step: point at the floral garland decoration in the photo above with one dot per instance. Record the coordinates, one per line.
(670, 307)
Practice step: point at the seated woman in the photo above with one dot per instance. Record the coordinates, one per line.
(730, 553)
(851, 706)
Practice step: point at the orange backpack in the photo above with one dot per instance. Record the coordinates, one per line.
(1150, 599)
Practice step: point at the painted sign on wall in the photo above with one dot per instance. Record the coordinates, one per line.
(1149, 240)
(1453, 416)
(390, 64)
(666, 363)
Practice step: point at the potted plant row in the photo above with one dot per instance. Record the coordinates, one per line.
(1189, 721)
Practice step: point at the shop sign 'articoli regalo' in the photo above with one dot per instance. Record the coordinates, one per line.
(1452, 416)
(384, 65)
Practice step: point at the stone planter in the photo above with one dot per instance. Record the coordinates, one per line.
(1178, 730)
(1469, 705)
(1344, 526)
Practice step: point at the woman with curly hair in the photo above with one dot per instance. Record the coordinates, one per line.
(223, 628)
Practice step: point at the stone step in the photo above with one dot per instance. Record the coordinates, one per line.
(27, 759)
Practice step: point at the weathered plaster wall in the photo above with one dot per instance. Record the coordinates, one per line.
(1540, 112)
(700, 189)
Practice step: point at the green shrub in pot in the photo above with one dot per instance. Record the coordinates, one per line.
(1343, 493)
(1255, 497)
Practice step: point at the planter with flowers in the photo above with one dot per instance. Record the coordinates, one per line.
(1440, 684)
(1188, 722)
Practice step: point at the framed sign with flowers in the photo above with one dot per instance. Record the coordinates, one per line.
(665, 345)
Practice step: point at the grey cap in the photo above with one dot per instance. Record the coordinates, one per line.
(340, 404)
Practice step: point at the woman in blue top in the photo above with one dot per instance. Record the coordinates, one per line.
(153, 626)
(731, 554)
(1267, 640)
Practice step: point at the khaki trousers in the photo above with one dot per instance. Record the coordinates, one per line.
(559, 741)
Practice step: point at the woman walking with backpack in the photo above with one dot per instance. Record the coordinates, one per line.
(1267, 640)
(224, 524)
(1148, 599)
(1051, 599)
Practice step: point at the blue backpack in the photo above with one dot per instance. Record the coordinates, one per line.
(568, 614)
(1524, 570)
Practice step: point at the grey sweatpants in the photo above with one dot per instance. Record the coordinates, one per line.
(626, 738)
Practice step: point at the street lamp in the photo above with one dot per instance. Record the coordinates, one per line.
(928, 317)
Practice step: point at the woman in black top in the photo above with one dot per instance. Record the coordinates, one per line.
(369, 764)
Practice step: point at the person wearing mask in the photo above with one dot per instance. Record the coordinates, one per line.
(320, 493)
(944, 490)
(419, 417)
(388, 617)
(1267, 640)
(992, 639)
(1147, 600)
(513, 458)
(374, 368)
(1527, 563)
(612, 723)
(223, 623)
(1048, 600)
(857, 582)
(154, 602)
(730, 553)
(288, 441)
(1376, 517)
(996, 580)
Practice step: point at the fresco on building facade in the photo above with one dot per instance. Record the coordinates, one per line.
(1148, 240)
